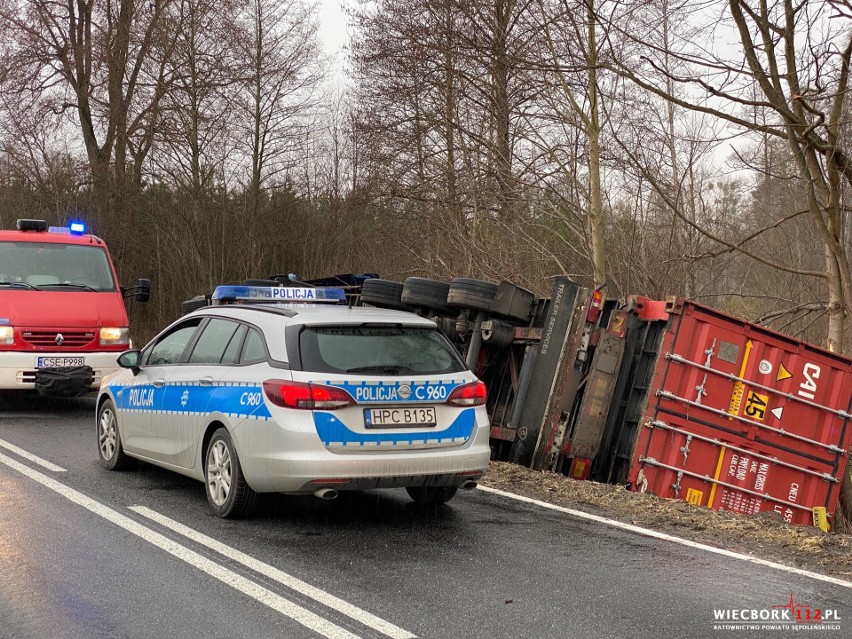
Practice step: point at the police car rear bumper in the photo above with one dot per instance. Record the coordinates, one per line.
(285, 461)
(18, 370)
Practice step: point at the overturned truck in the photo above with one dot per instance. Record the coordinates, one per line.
(669, 397)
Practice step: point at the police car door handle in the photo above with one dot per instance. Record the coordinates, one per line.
(159, 383)
(206, 381)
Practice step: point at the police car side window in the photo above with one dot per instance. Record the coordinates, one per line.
(254, 351)
(170, 347)
(214, 340)
(232, 353)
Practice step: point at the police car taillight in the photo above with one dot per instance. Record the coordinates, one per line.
(472, 394)
(306, 396)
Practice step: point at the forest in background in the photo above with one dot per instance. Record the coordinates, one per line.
(656, 147)
(650, 147)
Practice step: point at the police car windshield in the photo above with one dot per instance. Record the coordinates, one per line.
(49, 266)
(377, 350)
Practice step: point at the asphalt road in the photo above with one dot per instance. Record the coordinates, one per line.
(88, 553)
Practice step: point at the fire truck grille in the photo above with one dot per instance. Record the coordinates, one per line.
(50, 339)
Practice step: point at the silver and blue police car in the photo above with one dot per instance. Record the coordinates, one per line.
(297, 396)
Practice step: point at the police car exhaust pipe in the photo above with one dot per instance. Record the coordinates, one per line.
(326, 493)
(468, 484)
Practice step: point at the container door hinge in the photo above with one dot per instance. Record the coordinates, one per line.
(685, 448)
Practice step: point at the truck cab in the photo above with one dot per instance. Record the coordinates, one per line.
(62, 316)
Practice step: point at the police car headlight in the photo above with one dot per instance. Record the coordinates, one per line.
(7, 335)
(115, 336)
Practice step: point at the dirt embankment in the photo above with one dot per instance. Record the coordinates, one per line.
(763, 535)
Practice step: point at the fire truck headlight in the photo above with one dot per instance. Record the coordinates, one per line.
(115, 336)
(7, 335)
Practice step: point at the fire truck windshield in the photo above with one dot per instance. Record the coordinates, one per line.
(51, 266)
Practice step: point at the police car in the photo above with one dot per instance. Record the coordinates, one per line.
(301, 395)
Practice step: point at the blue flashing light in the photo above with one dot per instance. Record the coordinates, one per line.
(77, 228)
(289, 294)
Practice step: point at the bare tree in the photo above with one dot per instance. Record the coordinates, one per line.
(88, 58)
(797, 57)
(788, 79)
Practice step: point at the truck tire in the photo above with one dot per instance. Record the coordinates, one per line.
(382, 293)
(468, 293)
(426, 293)
(199, 301)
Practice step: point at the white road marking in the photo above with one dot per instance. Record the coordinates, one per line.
(327, 599)
(278, 603)
(20, 452)
(677, 540)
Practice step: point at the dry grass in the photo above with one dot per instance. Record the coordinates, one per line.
(763, 535)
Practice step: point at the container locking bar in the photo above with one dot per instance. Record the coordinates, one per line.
(778, 431)
(716, 442)
(678, 359)
(650, 461)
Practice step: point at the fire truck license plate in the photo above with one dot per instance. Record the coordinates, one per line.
(399, 417)
(60, 362)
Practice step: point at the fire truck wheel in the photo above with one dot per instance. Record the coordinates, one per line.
(110, 450)
(426, 293)
(382, 293)
(476, 294)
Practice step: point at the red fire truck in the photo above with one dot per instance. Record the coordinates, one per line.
(62, 315)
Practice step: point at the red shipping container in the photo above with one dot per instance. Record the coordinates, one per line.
(743, 418)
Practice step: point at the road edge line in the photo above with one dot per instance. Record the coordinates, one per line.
(647, 532)
(317, 594)
(255, 591)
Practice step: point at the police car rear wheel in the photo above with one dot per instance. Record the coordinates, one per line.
(426, 495)
(227, 491)
(110, 450)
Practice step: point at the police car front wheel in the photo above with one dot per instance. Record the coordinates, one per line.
(227, 491)
(110, 450)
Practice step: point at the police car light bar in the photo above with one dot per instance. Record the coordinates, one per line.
(231, 294)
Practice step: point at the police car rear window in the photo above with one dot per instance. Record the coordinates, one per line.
(377, 350)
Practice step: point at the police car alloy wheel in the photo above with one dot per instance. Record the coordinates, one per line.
(227, 491)
(111, 452)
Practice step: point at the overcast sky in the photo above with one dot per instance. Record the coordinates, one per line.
(332, 27)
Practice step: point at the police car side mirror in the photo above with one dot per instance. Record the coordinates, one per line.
(131, 360)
